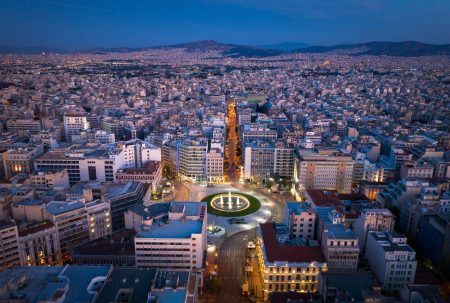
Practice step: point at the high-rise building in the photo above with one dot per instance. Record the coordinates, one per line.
(192, 159)
(284, 160)
(259, 160)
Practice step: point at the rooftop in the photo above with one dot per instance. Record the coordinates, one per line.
(173, 229)
(338, 231)
(120, 243)
(389, 241)
(149, 168)
(35, 228)
(352, 284)
(60, 207)
(289, 253)
(80, 278)
(118, 189)
(136, 281)
(150, 211)
(298, 207)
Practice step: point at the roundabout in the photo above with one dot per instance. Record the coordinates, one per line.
(232, 204)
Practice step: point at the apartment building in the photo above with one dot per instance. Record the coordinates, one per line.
(39, 244)
(373, 220)
(192, 159)
(9, 244)
(51, 179)
(323, 169)
(340, 247)
(259, 160)
(99, 217)
(71, 222)
(251, 132)
(20, 160)
(75, 122)
(214, 166)
(300, 218)
(391, 260)
(24, 127)
(284, 160)
(179, 243)
(104, 137)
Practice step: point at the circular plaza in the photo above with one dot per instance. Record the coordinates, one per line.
(232, 204)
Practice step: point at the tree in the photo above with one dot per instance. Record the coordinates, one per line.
(213, 285)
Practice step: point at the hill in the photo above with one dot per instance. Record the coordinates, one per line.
(398, 49)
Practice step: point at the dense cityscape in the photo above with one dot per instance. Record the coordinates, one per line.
(226, 151)
(169, 175)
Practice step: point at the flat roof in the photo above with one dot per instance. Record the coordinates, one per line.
(170, 295)
(36, 227)
(37, 279)
(384, 240)
(7, 223)
(150, 211)
(139, 281)
(120, 243)
(117, 189)
(289, 253)
(60, 207)
(173, 229)
(338, 231)
(351, 283)
(79, 279)
(149, 168)
(298, 207)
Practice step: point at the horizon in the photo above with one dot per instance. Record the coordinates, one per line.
(261, 46)
(81, 25)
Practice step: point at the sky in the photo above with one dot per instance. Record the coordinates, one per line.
(84, 24)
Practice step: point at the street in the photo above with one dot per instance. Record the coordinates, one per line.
(232, 266)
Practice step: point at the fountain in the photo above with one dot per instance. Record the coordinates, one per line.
(230, 202)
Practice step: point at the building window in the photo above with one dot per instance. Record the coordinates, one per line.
(92, 173)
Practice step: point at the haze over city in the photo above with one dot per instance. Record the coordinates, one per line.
(224, 151)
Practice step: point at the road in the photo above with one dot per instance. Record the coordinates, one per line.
(232, 143)
(232, 266)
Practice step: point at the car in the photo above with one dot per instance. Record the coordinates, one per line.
(251, 245)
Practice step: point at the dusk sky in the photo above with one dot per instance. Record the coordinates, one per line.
(81, 24)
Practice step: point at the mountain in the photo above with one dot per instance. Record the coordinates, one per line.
(397, 49)
(285, 46)
(228, 50)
